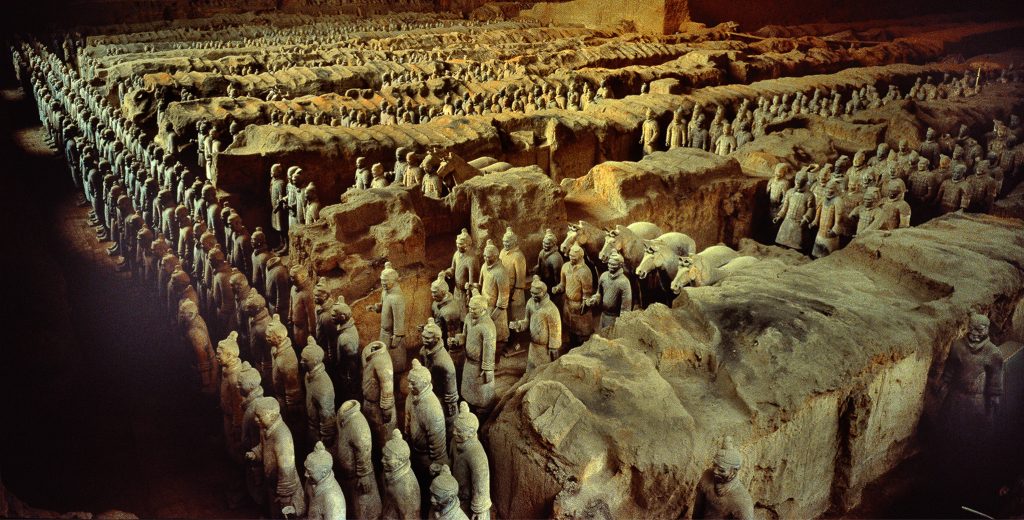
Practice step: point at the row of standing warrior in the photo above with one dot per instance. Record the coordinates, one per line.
(201, 261)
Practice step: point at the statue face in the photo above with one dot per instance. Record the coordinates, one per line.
(548, 244)
(462, 434)
(537, 293)
(266, 418)
(977, 332)
(224, 357)
(724, 474)
(477, 311)
(490, 257)
(614, 268)
(428, 338)
(417, 386)
(387, 282)
(508, 242)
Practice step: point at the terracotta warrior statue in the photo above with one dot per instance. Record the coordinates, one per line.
(378, 391)
(973, 379)
(401, 498)
(285, 373)
(251, 389)
(438, 361)
(276, 453)
(544, 325)
(549, 260)
(719, 494)
(614, 294)
(425, 422)
(255, 307)
(777, 187)
(319, 396)
(464, 269)
(479, 339)
(469, 466)
(301, 314)
(230, 399)
(444, 497)
(353, 456)
(577, 282)
(826, 219)
(954, 193)
(279, 287)
(515, 265)
(675, 134)
(445, 310)
(649, 133)
(392, 316)
(870, 215)
(324, 498)
(796, 212)
(347, 375)
(495, 286)
(193, 327)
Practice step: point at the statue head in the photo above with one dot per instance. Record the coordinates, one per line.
(340, 311)
(444, 490)
(180, 279)
(465, 425)
(312, 355)
(319, 464)
(944, 161)
(902, 146)
(249, 379)
(259, 239)
(277, 171)
(650, 114)
(431, 333)
(267, 410)
(929, 134)
(958, 153)
(549, 241)
(377, 170)
(859, 158)
(922, 164)
(401, 153)
(782, 170)
(871, 197)
(538, 289)
(977, 330)
(615, 262)
(959, 172)
(490, 253)
(239, 283)
(187, 311)
(463, 241)
(882, 151)
(895, 189)
(227, 349)
(388, 276)
(419, 378)
(276, 333)
(254, 303)
(981, 168)
(832, 189)
(439, 288)
(576, 254)
(477, 305)
(396, 452)
(509, 240)
(727, 462)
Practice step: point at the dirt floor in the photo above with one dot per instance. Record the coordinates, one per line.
(105, 416)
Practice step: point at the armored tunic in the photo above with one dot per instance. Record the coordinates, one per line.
(427, 429)
(276, 451)
(578, 284)
(545, 333)
(480, 341)
(392, 325)
(285, 379)
(515, 268)
(353, 456)
(325, 500)
(320, 406)
(494, 282)
(470, 469)
(443, 378)
(616, 297)
(796, 207)
(378, 394)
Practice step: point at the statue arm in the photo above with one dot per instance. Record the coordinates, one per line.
(480, 501)
(398, 319)
(994, 377)
(554, 326)
(489, 339)
(361, 452)
(387, 383)
(783, 209)
(437, 439)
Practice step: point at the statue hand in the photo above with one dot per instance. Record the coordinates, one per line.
(389, 414)
(557, 289)
(775, 220)
(363, 485)
(488, 376)
(250, 456)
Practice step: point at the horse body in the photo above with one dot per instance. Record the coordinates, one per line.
(703, 270)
